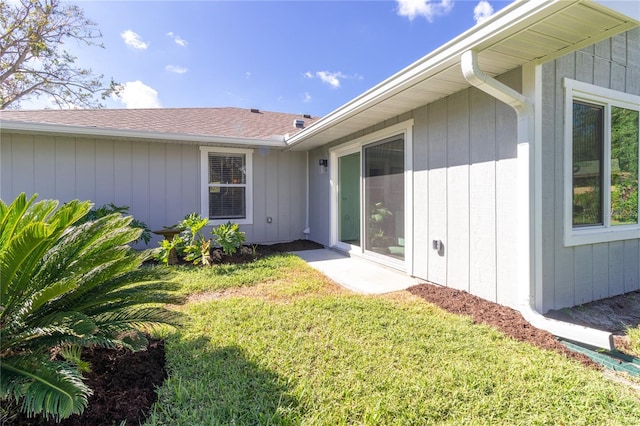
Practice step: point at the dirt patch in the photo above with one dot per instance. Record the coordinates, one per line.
(615, 315)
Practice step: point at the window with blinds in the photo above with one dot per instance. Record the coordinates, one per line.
(227, 186)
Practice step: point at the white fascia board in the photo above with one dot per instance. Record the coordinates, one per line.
(20, 126)
(503, 24)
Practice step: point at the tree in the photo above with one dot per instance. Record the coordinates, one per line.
(64, 287)
(33, 61)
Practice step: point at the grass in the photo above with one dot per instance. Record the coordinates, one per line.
(224, 277)
(634, 337)
(283, 345)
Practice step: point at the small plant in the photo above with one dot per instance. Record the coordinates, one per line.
(111, 208)
(229, 237)
(196, 247)
(166, 247)
(190, 244)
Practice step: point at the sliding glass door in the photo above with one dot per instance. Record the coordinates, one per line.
(371, 184)
(384, 197)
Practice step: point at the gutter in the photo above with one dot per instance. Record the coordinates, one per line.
(526, 164)
(276, 141)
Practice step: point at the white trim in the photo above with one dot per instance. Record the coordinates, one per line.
(204, 184)
(408, 199)
(586, 91)
(532, 88)
(334, 155)
(405, 129)
(577, 90)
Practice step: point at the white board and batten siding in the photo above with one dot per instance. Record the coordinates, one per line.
(465, 193)
(160, 182)
(573, 275)
(279, 193)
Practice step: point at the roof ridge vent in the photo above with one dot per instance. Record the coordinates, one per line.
(298, 123)
(307, 115)
(255, 110)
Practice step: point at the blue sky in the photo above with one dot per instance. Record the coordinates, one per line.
(306, 57)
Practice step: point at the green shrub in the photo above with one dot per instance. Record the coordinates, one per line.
(229, 237)
(190, 244)
(111, 208)
(196, 247)
(64, 287)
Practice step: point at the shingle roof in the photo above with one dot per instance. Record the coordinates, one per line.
(223, 122)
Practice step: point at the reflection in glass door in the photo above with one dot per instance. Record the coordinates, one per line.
(349, 199)
(384, 197)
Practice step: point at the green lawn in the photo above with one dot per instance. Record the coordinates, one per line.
(634, 339)
(283, 345)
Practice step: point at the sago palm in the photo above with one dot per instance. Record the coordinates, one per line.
(65, 287)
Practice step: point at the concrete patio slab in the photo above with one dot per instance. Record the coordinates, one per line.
(357, 274)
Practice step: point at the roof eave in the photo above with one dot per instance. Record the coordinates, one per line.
(276, 141)
(502, 25)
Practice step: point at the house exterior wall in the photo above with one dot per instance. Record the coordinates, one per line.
(464, 192)
(582, 273)
(160, 182)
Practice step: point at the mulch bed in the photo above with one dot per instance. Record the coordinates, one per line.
(124, 387)
(507, 320)
(125, 383)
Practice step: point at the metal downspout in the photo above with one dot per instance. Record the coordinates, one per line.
(525, 163)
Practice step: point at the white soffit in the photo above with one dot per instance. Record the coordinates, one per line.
(526, 31)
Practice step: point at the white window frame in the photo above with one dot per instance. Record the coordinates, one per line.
(204, 183)
(596, 95)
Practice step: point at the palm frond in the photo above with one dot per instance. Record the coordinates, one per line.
(28, 230)
(17, 254)
(63, 287)
(52, 388)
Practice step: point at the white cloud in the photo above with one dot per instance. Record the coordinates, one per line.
(307, 98)
(134, 40)
(426, 8)
(176, 69)
(178, 40)
(136, 94)
(247, 75)
(330, 78)
(482, 11)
